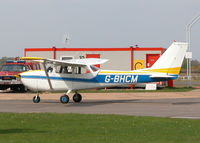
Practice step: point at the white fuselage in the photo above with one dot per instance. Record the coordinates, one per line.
(38, 81)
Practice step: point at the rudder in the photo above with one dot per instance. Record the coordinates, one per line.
(171, 61)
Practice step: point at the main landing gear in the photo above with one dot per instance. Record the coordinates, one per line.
(77, 97)
(65, 98)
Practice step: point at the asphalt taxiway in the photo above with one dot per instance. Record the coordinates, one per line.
(170, 104)
(175, 108)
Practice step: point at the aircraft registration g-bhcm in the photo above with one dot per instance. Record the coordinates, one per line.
(77, 74)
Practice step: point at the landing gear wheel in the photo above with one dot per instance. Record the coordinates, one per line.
(77, 97)
(36, 99)
(64, 99)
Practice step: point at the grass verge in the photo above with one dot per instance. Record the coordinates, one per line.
(78, 128)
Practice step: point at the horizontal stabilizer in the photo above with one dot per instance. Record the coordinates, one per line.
(161, 76)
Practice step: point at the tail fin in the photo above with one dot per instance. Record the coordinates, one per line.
(170, 62)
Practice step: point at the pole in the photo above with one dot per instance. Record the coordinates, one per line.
(188, 39)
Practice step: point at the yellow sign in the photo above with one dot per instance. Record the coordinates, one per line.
(138, 64)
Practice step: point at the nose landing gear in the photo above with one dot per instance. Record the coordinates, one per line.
(36, 99)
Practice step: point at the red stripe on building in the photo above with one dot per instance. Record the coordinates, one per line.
(93, 49)
(38, 49)
(148, 49)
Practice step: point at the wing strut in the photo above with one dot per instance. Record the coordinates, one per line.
(47, 74)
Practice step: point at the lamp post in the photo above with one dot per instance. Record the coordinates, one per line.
(188, 39)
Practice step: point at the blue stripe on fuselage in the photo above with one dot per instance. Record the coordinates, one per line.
(123, 78)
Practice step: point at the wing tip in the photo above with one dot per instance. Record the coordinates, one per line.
(31, 58)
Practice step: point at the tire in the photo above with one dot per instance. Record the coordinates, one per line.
(36, 99)
(77, 97)
(64, 99)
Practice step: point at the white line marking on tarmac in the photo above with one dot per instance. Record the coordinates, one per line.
(185, 117)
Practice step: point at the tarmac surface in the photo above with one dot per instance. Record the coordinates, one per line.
(159, 104)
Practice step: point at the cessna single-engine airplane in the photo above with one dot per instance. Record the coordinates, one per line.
(77, 74)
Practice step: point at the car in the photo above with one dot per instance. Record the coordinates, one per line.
(9, 74)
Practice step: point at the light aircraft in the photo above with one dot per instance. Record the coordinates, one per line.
(77, 74)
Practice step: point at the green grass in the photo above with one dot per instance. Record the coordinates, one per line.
(77, 128)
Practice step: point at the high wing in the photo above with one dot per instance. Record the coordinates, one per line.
(78, 62)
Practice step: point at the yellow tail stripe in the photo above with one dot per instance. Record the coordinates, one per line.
(166, 70)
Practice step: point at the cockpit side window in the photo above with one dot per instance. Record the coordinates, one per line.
(66, 69)
(77, 70)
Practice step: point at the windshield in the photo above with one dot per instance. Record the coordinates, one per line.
(14, 68)
(94, 68)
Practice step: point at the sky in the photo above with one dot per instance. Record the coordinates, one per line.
(96, 23)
